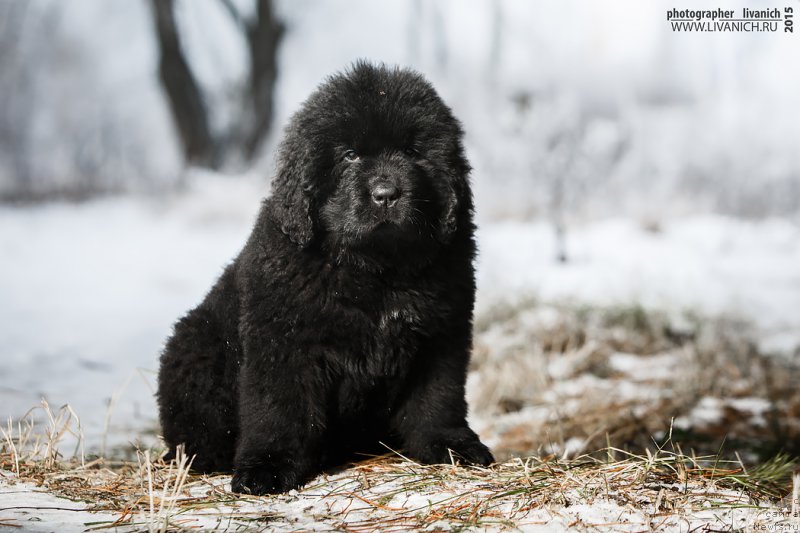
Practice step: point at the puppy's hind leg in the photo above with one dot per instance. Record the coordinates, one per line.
(196, 392)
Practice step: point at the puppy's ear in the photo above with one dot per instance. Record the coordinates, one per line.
(291, 200)
(457, 209)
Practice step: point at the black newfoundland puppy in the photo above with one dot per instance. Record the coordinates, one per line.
(346, 320)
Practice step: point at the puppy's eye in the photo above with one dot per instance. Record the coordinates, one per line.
(411, 151)
(351, 155)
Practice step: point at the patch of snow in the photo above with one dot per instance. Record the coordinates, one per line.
(710, 411)
(707, 411)
(645, 368)
(756, 406)
(708, 264)
(342, 501)
(27, 507)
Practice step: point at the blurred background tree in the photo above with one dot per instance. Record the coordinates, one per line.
(609, 113)
(246, 132)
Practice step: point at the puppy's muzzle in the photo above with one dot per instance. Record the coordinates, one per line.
(386, 194)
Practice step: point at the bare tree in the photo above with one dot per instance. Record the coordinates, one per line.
(17, 98)
(201, 145)
(186, 102)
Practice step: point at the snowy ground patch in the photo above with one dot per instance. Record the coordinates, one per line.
(663, 491)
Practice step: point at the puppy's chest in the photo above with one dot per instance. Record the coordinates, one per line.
(381, 335)
(394, 326)
(400, 316)
(391, 341)
(404, 313)
(375, 310)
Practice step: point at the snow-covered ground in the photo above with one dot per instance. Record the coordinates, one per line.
(88, 292)
(400, 502)
(27, 507)
(706, 264)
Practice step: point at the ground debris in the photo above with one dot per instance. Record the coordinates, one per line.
(661, 489)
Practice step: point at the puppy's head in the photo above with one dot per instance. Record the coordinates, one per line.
(373, 160)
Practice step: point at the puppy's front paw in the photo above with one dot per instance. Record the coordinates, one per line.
(265, 479)
(473, 452)
(462, 442)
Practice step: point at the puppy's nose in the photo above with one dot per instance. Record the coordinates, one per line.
(385, 195)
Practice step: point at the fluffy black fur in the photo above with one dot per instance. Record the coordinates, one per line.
(346, 320)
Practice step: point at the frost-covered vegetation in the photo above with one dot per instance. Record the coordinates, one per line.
(572, 109)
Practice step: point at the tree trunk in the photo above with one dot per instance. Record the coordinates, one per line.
(185, 99)
(263, 36)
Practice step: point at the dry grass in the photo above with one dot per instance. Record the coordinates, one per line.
(559, 379)
(660, 488)
(41, 446)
